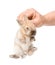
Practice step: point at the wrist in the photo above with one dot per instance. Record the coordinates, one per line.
(44, 20)
(47, 19)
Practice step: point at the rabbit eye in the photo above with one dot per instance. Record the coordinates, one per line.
(27, 28)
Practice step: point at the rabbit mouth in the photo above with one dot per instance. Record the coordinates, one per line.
(32, 38)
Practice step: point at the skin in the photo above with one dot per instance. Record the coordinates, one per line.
(37, 19)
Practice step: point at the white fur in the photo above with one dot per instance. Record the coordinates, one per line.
(23, 44)
(21, 47)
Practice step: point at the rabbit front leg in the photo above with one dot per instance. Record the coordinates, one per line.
(31, 50)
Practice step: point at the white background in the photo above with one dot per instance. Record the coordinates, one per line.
(45, 38)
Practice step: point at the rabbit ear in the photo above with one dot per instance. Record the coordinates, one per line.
(24, 20)
(20, 22)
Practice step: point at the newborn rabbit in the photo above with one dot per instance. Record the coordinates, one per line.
(25, 36)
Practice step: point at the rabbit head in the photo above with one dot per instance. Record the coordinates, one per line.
(27, 27)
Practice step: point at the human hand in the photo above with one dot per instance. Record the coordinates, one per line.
(35, 17)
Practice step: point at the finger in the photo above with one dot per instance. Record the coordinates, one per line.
(36, 19)
(30, 13)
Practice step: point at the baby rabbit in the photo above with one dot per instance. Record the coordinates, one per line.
(25, 36)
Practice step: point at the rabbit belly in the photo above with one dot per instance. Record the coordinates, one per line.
(20, 47)
(18, 50)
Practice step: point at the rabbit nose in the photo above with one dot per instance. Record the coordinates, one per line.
(33, 32)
